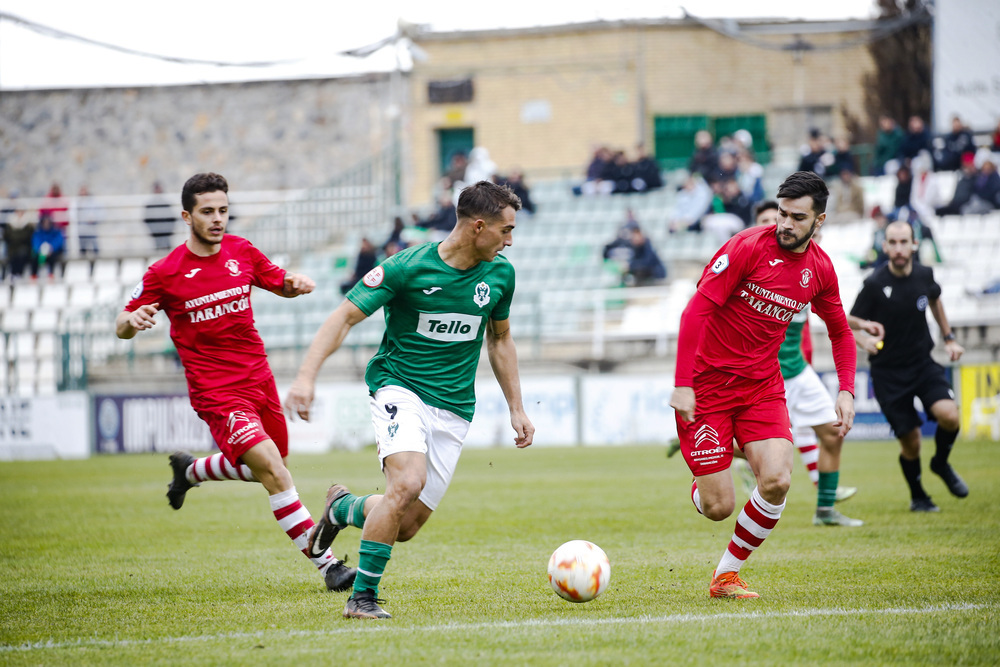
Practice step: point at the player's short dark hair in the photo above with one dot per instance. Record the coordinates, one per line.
(806, 184)
(486, 200)
(200, 184)
(761, 206)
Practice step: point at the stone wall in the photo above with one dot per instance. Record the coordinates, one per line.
(261, 136)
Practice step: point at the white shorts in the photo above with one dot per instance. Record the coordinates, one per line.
(404, 423)
(809, 403)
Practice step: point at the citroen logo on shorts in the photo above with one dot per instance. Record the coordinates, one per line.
(704, 436)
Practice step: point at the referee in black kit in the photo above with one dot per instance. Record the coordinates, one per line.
(890, 324)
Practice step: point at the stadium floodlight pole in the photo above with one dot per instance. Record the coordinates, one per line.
(405, 33)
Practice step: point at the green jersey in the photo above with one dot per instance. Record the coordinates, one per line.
(435, 320)
(790, 356)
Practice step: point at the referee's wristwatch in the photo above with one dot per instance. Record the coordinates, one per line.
(950, 336)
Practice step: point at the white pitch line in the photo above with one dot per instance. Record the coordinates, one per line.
(354, 627)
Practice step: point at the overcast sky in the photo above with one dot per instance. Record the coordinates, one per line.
(306, 35)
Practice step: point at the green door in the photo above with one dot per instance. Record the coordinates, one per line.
(674, 138)
(453, 140)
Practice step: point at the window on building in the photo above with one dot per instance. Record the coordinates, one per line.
(449, 92)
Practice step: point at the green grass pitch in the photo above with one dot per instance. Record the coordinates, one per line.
(95, 568)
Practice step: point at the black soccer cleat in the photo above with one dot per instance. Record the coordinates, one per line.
(339, 577)
(178, 487)
(923, 505)
(365, 605)
(951, 479)
(326, 530)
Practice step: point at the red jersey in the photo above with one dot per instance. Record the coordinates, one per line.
(207, 300)
(759, 286)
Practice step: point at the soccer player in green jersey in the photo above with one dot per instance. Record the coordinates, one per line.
(440, 300)
(811, 410)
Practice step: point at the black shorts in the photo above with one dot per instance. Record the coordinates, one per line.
(895, 389)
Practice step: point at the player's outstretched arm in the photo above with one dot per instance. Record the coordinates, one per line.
(128, 323)
(296, 284)
(503, 359)
(327, 341)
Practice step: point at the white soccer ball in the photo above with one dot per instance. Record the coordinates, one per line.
(579, 571)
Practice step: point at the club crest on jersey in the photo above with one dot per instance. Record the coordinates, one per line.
(482, 296)
(374, 277)
(721, 264)
(806, 277)
(922, 303)
(887, 290)
(233, 266)
(137, 291)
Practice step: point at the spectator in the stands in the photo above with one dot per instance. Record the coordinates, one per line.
(480, 167)
(56, 207)
(727, 169)
(954, 145)
(815, 157)
(963, 188)
(694, 199)
(647, 171)
(17, 233)
(904, 184)
(89, 214)
(917, 139)
(456, 169)
(395, 237)
(596, 170)
(705, 160)
(847, 197)
(442, 221)
(515, 180)
(987, 188)
(751, 175)
(735, 202)
(995, 139)
(366, 260)
(843, 158)
(925, 194)
(887, 144)
(875, 256)
(48, 246)
(634, 253)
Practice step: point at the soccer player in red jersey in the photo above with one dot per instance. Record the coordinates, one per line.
(728, 381)
(204, 288)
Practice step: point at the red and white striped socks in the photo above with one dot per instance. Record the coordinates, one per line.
(806, 443)
(297, 523)
(217, 468)
(754, 524)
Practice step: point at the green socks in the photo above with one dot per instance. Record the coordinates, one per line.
(827, 488)
(372, 559)
(349, 510)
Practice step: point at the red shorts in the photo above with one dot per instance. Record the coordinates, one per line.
(728, 406)
(241, 417)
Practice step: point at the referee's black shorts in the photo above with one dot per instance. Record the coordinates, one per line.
(895, 389)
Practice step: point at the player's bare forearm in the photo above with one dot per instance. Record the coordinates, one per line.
(502, 353)
(868, 326)
(329, 338)
(327, 341)
(129, 323)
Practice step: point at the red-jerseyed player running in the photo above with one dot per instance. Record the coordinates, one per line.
(204, 288)
(727, 360)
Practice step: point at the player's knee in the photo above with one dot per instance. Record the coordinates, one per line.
(949, 420)
(719, 510)
(404, 490)
(774, 484)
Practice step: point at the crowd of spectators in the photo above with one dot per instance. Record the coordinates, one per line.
(612, 172)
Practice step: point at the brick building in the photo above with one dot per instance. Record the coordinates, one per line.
(542, 98)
